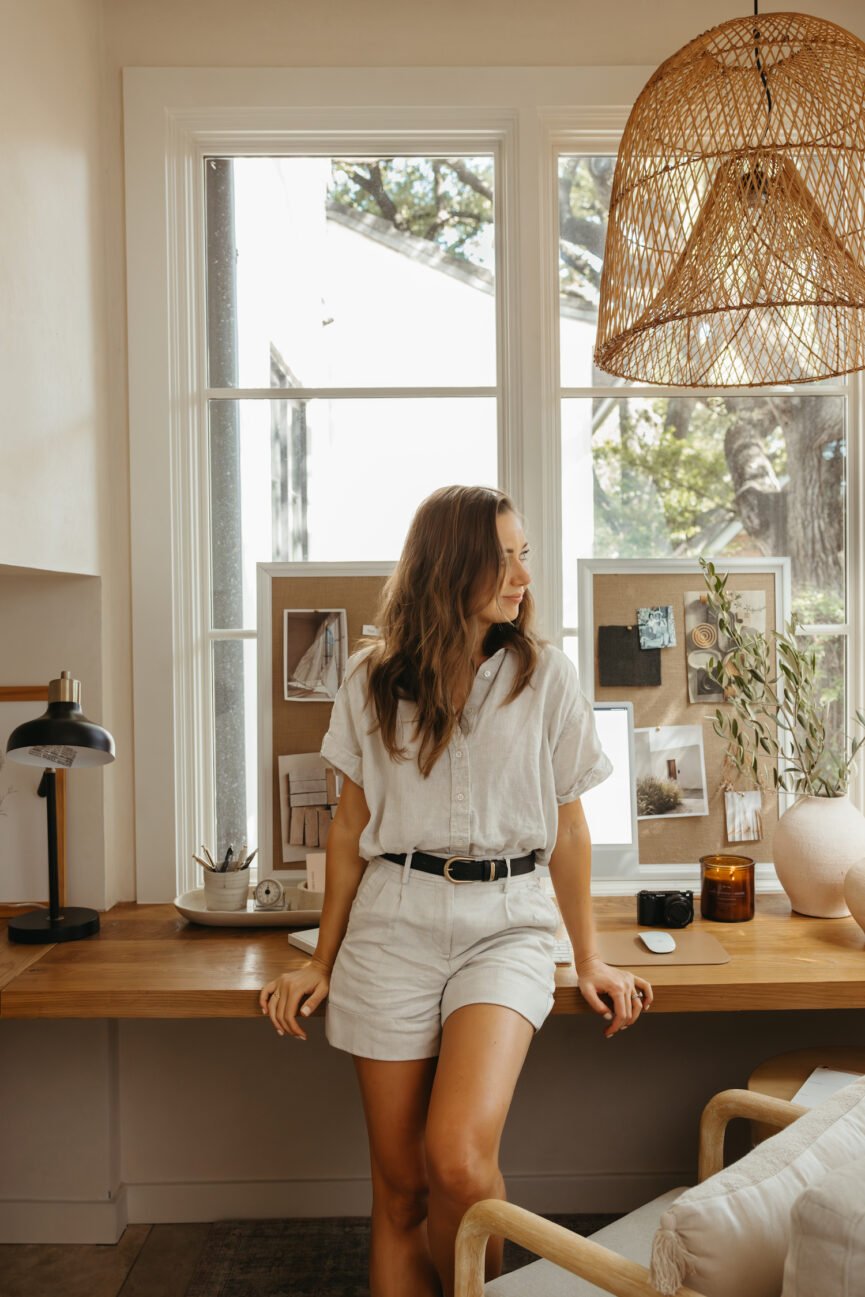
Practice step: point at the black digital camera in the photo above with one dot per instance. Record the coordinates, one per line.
(665, 909)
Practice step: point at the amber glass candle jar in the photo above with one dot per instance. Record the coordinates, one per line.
(727, 893)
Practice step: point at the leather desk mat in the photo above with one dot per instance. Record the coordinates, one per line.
(624, 949)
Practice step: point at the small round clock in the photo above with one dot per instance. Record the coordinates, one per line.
(269, 894)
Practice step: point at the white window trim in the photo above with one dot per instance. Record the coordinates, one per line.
(173, 118)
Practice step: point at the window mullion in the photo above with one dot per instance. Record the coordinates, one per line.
(855, 427)
(342, 393)
(532, 474)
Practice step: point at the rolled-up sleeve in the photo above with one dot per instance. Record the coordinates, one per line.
(342, 743)
(579, 761)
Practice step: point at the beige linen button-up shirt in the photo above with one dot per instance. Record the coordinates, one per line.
(496, 789)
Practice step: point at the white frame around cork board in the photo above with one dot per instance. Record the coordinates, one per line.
(610, 592)
(290, 727)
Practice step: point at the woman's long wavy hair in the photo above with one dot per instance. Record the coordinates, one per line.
(451, 565)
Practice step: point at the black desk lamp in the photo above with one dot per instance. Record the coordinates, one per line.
(63, 736)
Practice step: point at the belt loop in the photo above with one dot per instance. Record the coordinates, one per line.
(508, 875)
(406, 869)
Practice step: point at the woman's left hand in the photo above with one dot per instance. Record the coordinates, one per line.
(628, 994)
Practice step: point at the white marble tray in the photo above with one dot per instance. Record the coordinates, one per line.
(191, 906)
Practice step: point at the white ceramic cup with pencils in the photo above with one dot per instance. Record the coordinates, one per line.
(226, 891)
(226, 885)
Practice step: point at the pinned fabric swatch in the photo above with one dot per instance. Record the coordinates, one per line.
(621, 661)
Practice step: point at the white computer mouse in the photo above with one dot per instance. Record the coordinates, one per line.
(660, 943)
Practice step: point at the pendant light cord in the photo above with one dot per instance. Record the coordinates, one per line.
(758, 61)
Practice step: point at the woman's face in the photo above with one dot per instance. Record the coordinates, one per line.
(504, 605)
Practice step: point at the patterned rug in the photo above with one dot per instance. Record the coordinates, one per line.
(309, 1258)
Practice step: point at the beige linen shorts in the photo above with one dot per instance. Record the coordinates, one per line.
(417, 947)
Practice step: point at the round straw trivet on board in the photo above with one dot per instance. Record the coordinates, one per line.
(704, 636)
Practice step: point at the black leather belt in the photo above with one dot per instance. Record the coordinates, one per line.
(463, 869)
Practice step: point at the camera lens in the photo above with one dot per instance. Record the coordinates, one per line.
(677, 912)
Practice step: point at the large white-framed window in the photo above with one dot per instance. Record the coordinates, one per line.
(353, 329)
(177, 121)
(655, 473)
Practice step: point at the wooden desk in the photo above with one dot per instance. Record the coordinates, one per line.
(149, 962)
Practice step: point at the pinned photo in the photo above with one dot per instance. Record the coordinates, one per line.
(315, 651)
(744, 816)
(671, 772)
(657, 628)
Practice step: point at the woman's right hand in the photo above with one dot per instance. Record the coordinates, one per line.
(281, 998)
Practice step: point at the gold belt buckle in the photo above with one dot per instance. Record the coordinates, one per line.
(447, 870)
(491, 870)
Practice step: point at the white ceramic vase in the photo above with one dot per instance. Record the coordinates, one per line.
(854, 892)
(229, 891)
(816, 841)
(307, 900)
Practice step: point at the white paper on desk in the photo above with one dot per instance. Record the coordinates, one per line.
(306, 939)
(821, 1084)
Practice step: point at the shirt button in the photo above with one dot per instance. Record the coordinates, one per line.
(458, 752)
(487, 674)
(460, 797)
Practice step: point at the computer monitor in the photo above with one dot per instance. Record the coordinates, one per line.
(611, 807)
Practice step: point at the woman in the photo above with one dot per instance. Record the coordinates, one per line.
(465, 745)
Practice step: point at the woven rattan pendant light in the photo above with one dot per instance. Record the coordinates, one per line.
(735, 251)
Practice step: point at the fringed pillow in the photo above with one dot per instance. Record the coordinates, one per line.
(729, 1235)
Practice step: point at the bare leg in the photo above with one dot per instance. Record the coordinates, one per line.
(395, 1101)
(483, 1050)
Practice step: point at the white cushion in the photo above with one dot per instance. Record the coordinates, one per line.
(729, 1235)
(630, 1237)
(827, 1247)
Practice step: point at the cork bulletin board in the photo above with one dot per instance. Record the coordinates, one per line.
(290, 727)
(610, 592)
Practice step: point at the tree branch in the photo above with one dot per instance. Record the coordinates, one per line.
(373, 184)
(469, 177)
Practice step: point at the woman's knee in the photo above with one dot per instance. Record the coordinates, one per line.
(401, 1196)
(461, 1172)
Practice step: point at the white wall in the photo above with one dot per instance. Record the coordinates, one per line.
(411, 33)
(52, 356)
(63, 477)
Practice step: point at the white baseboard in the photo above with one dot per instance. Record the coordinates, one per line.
(35, 1221)
(261, 1200)
(162, 1204)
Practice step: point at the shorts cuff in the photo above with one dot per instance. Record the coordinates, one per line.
(531, 1002)
(356, 1035)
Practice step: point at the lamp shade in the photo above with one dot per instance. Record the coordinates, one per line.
(735, 251)
(62, 736)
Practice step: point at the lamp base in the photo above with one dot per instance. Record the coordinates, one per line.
(36, 928)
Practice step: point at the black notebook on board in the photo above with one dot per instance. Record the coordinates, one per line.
(621, 661)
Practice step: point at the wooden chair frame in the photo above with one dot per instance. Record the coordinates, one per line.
(592, 1261)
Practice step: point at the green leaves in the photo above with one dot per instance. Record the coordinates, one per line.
(775, 717)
